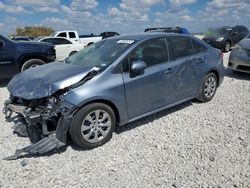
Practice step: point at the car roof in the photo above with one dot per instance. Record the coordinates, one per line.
(145, 36)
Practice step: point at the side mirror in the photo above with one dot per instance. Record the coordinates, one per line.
(137, 68)
(1, 44)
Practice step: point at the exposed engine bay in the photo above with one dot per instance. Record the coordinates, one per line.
(45, 121)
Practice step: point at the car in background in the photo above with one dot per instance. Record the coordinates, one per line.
(18, 56)
(108, 34)
(180, 30)
(64, 48)
(74, 37)
(22, 38)
(112, 82)
(239, 58)
(225, 37)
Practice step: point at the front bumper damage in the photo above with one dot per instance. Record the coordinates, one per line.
(35, 124)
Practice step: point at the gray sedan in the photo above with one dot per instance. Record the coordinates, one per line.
(110, 83)
(239, 59)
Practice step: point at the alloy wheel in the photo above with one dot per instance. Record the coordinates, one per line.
(96, 126)
(210, 87)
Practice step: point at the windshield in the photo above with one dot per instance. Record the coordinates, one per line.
(218, 32)
(100, 54)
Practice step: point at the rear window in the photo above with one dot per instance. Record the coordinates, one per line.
(181, 46)
(59, 41)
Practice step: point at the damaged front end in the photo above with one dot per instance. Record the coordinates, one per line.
(45, 121)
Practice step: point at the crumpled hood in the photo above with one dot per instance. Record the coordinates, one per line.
(45, 80)
(245, 43)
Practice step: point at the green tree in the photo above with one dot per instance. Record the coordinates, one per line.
(34, 31)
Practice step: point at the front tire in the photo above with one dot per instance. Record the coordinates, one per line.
(93, 125)
(209, 87)
(31, 63)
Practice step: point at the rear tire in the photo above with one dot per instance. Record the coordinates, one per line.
(93, 125)
(209, 87)
(31, 63)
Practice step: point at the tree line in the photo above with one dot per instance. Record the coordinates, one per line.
(34, 31)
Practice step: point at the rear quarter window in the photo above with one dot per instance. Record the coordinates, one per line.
(198, 48)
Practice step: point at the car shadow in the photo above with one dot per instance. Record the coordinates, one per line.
(152, 118)
(237, 75)
(4, 82)
(118, 130)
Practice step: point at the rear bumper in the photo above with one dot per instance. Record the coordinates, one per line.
(239, 62)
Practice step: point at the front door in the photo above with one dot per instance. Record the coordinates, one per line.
(144, 93)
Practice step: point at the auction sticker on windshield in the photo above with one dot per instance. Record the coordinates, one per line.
(125, 41)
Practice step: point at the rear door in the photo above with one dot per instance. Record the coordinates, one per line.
(144, 93)
(185, 70)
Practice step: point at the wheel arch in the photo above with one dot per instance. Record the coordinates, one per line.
(216, 74)
(104, 101)
(29, 57)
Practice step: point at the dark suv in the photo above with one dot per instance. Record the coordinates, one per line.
(18, 56)
(225, 37)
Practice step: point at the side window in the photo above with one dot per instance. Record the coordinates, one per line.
(72, 35)
(1, 43)
(60, 41)
(152, 52)
(198, 48)
(63, 34)
(181, 46)
(48, 40)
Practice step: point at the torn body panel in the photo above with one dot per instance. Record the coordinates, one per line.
(34, 84)
(46, 124)
(42, 114)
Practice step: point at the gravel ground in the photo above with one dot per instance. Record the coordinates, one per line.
(191, 145)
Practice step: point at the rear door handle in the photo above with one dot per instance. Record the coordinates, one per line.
(168, 71)
(199, 61)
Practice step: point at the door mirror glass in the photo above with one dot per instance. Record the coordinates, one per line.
(1, 44)
(137, 68)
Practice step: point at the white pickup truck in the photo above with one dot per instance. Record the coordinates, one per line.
(74, 37)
